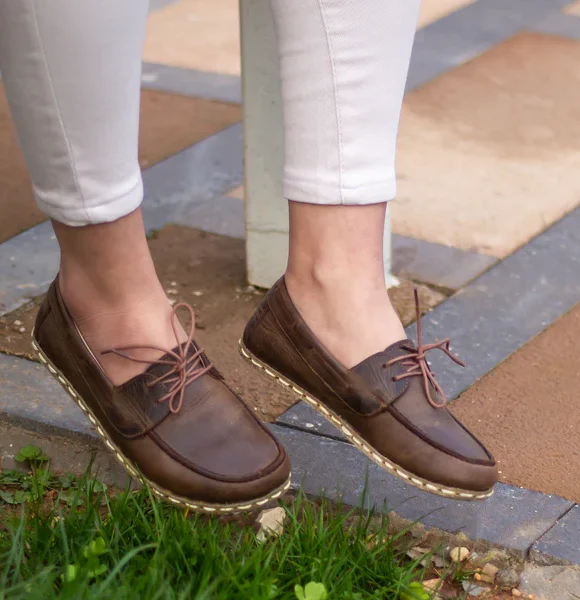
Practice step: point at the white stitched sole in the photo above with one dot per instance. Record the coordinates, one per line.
(358, 441)
(160, 492)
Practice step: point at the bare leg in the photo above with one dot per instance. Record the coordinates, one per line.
(336, 278)
(109, 285)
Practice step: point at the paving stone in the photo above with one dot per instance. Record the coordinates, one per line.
(222, 215)
(573, 8)
(500, 311)
(195, 175)
(560, 24)
(436, 264)
(512, 517)
(563, 540)
(28, 263)
(303, 417)
(550, 583)
(469, 32)
(31, 398)
(195, 35)
(203, 84)
(474, 174)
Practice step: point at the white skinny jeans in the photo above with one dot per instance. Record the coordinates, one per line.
(71, 69)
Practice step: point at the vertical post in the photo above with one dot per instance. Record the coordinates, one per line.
(266, 212)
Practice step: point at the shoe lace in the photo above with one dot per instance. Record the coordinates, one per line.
(416, 364)
(184, 369)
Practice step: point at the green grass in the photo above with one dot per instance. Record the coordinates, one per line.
(75, 539)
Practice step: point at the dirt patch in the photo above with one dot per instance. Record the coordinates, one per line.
(169, 123)
(210, 275)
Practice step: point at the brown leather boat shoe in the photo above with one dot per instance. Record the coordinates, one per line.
(177, 426)
(390, 405)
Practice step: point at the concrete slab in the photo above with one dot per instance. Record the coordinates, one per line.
(563, 540)
(487, 157)
(550, 583)
(195, 34)
(435, 264)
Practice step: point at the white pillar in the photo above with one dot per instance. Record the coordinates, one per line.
(265, 208)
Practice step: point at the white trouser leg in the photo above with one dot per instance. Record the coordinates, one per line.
(71, 69)
(344, 65)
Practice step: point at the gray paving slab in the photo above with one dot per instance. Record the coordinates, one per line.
(560, 24)
(436, 264)
(28, 263)
(303, 417)
(194, 175)
(203, 84)
(550, 583)
(222, 215)
(469, 32)
(31, 398)
(501, 310)
(563, 540)
(513, 517)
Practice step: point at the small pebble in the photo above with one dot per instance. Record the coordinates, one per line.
(22, 329)
(173, 283)
(458, 554)
(490, 570)
(432, 584)
(474, 590)
(507, 578)
(17, 323)
(172, 292)
(516, 593)
(197, 293)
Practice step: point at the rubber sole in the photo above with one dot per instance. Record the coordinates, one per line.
(359, 442)
(129, 466)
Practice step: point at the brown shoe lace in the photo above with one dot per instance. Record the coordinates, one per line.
(416, 363)
(184, 371)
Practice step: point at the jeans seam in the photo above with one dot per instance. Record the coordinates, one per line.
(335, 89)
